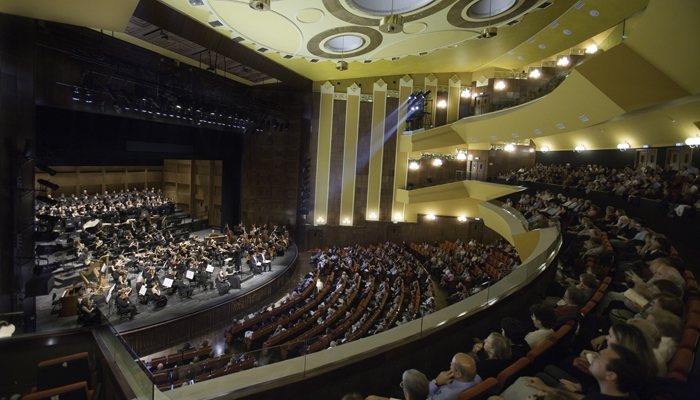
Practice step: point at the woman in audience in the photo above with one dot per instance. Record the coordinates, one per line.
(543, 318)
(499, 356)
(670, 327)
(653, 337)
(515, 331)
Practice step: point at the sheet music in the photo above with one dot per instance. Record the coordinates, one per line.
(143, 290)
(109, 295)
(104, 267)
(189, 274)
(167, 282)
(210, 268)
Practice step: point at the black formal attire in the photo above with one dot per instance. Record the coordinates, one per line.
(124, 305)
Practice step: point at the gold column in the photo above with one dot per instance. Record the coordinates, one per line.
(352, 123)
(401, 168)
(453, 96)
(323, 155)
(376, 151)
(431, 83)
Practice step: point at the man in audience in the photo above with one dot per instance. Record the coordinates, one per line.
(461, 376)
(414, 385)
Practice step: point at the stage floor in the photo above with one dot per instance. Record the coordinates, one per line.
(176, 308)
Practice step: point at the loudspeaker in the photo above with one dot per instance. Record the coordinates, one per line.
(39, 285)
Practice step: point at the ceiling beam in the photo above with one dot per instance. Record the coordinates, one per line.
(172, 21)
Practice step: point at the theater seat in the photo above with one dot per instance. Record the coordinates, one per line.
(515, 371)
(680, 365)
(75, 391)
(482, 391)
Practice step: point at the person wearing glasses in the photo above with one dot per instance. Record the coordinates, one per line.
(414, 385)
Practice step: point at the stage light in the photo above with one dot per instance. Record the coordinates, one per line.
(46, 169)
(260, 5)
(50, 185)
(76, 94)
(46, 200)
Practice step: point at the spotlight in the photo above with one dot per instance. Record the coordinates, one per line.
(46, 169)
(341, 65)
(50, 185)
(46, 200)
(76, 94)
(260, 5)
(163, 35)
(88, 97)
(391, 24)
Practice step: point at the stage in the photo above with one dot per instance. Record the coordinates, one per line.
(254, 288)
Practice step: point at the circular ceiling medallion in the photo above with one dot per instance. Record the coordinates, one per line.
(344, 43)
(372, 36)
(388, 7)
(463, 13)
(489, 8)
(414, 28)
(309, 16)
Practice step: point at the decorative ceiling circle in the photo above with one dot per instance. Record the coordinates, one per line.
(344, 43)
(373, 40)
(489, 8)
(388, 7)
(416, 27)
(344, 12)
(310, 15)
(459, 13)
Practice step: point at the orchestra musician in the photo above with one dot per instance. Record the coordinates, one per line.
(222, 283)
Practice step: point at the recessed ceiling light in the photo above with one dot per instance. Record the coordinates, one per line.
(521, 57)
(554, 25)
(583, 118)
(531, 40)
(542, 46)
(561, 126)
(579, 5)
(594, 13)
(510, 53)
(516, 135)
(537, 131)
(494, 137)
(567, 32)
(473, 139)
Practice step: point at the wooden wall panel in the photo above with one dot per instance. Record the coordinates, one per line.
(75, 179)
(390, 140)
(362, 167)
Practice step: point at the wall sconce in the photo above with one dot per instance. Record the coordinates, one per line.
(373, 216)
(346, 221)
(431, 217)
(693, 141)
(437, 162)
(592, 49)
(462, 218)
(623, 146)
(398, 217)
(442, 104)
(563, 62)
(509, 147)
(413, 164)
(531, 150)
(461, 155)
(535, 73)
(471, 157)
(580, 148)
(500, 85)
(466, 93)
(544, 149)
(320, 220)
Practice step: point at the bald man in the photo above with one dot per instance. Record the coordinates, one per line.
(461, 376)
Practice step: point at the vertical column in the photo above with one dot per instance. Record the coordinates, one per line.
(323, 155)
(401, 169)
(376, 150)
(431, 84)
(352, 122)
(453, 99)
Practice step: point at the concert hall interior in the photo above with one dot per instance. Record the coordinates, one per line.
(256, 199)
